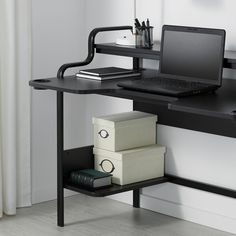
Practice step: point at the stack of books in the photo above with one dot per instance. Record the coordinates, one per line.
(107, 73)
(90, 178)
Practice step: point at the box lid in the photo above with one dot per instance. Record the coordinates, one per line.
(124, 119)
(156, 148)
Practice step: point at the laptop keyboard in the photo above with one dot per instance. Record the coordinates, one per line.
(166, 86)
(172, 83)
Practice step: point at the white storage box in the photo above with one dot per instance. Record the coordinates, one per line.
(124, 130)
(132, 165)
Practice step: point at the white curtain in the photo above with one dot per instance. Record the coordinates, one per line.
(15, 73)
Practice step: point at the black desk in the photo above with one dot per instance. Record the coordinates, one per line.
(212, 113)
(216, 113)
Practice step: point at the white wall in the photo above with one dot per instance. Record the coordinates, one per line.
(58, 29)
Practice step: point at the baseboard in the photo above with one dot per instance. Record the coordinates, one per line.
(192, 205)
(187, 213)
(155, 200)
(47, 194)
(126, 197)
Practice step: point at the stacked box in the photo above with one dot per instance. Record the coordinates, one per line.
(124, 145)
(124, 131)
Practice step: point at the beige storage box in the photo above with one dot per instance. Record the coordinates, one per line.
(124, 130)
(132, 165)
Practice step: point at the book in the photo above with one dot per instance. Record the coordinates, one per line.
(102, 78)
(90, 178)
(107, 73)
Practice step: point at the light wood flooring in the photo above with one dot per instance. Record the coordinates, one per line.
(87, 216)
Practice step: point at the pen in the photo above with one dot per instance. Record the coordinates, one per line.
(148, 31)
(143, 25)
(137, 23)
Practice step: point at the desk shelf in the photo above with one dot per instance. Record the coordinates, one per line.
(114, 189)
(83, 158)
(153, 54)
(129, 51)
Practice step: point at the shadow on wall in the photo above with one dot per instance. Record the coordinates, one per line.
(208, 3)
(228, 73)
(164, 198)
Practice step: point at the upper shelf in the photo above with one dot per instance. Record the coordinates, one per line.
(129, 51)
(153, 54)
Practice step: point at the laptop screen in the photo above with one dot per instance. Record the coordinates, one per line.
(192, 53)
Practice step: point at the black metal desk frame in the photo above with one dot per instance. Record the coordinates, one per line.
(186, 112)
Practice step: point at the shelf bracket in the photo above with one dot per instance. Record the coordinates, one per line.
(91, 48)
(201, 186)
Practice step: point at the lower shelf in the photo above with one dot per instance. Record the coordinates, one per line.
(114, 189)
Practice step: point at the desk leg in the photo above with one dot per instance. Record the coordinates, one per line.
(136, 198)
(60, 146)
(137, 63)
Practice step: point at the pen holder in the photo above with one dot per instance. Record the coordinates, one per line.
(144, 37)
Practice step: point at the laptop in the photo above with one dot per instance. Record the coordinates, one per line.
(191, 62)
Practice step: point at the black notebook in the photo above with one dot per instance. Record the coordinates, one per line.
(106, 73)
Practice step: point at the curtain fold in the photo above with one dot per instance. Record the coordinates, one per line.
(15, 72)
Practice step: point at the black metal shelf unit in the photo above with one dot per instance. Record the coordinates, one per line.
(218, 116)
(67, 159)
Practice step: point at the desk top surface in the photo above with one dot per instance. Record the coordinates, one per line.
(221, 104)
(72, 84)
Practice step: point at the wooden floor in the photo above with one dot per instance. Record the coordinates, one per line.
(95, 217)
